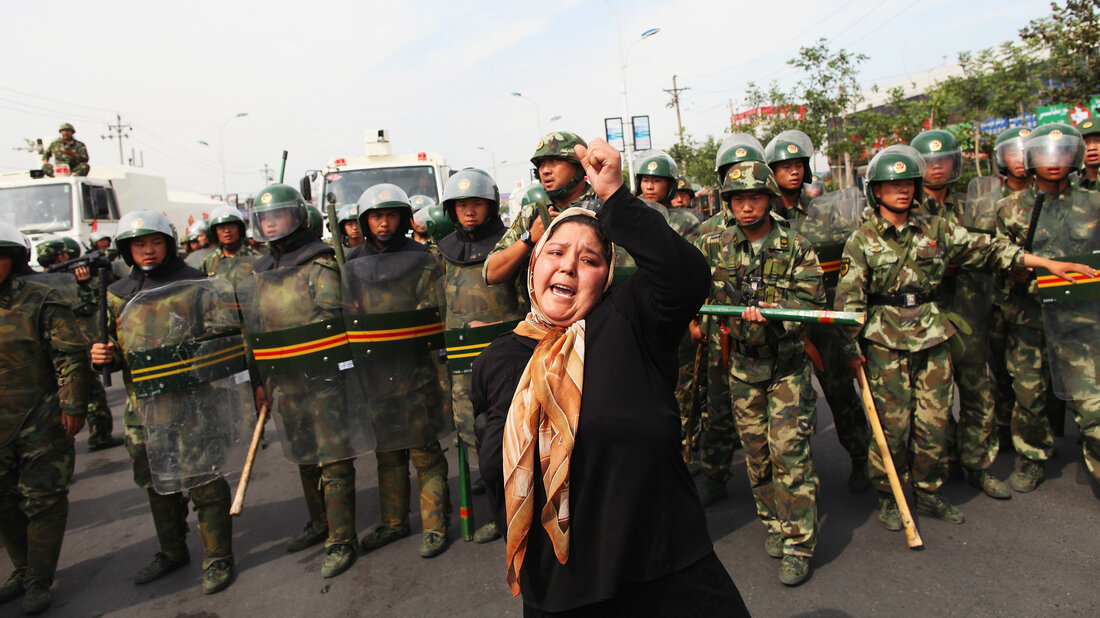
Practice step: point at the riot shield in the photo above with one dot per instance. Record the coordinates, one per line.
(295, 329)
(187, 364)
(980, 212)
(395, 327)
(64, 283)
(1071, 322)
(235, 268)
(685, 221)
(195, 258)
(830, 221)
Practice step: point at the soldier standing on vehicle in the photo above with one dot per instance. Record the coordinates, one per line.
(562, 177)
(408, 409)
(43, 384)
(147, 242)
(1053, 217)
(893, 265)
(472, 201)
(965, 298)
(758, 262)
(788, 155)
(66, 150)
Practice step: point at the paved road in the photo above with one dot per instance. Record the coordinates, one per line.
(1035, 555)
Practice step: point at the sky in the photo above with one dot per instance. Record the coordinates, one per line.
(437, 75)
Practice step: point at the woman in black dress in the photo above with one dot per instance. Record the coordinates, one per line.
(611, 523)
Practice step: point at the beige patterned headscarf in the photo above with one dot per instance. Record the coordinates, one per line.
(546, 405)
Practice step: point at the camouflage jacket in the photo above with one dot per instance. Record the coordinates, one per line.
(73, 152)
(950, 208)
(881, 258)
(43, 356)
(210, 262)
(1067, 226)
(800, 211)
(686, 222)
(785, 272)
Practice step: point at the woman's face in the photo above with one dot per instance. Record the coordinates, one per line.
(569, 274)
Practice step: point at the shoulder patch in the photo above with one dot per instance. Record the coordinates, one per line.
(845, 263)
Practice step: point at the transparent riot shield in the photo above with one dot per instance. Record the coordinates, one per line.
(188, 367)
(685, 221)
(64, 283)
(235, 268)
(1071, 322)
(295, 330)
(394, 323)
(980, 211)
(830, 221)
(195, 258)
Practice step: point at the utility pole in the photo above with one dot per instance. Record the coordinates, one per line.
(675, 92)
(268, 179)
(118, 131)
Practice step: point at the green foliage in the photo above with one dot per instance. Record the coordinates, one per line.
(696, 160)
(1071, 36)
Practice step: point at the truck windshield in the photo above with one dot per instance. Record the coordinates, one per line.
(345, 187)
(41, 208)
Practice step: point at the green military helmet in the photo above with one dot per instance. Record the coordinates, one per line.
(72, 248)
(735, 149)
(278, 197)
(48, 250)
(1054, 144)
(1010, 141)
(436, 222)
(316, 221)
(684, 185)
(533, 194)
(789, 145)
(471, 183)
(143, 223)
(1090, 126)
(749, 176)
(197, 229)
(897, 162)
(420, 202)
(559, 145)
(936, 146)
(384, 196)
(223, 215)
(98, 235)
(14, 245)
(656, 163)
(66, 127)
(347, 213)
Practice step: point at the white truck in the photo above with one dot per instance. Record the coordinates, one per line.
(344, 179)
(68, 205)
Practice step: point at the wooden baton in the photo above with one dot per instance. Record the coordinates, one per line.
(242, 486)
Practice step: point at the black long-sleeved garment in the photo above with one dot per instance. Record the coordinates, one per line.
(636, 516)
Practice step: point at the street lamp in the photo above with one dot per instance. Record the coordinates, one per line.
(221, 147)
(628, 139)
(494, 159)
(538, 111)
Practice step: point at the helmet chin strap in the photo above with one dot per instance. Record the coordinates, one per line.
(895, 209)
(560, 192)
(754, 224)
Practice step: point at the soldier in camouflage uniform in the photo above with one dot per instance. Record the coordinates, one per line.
(788, 155)
(280, 218)
(68, 151)
(1067, 217)
(99, 419)
(147, 242)
(43, 383)
(385, 216)
(891, 269)
(1011, 163)
(1090, 132)
(198, 244)
(348, 221)
(757, 262)
(227, 232)
(472, 201)
(683, 195)
(655, 180)
(562, 177)
(718, 432)
(972, 442)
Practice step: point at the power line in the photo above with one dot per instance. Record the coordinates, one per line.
(675, 92)
(35, 96)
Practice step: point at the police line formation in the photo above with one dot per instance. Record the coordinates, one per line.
(372, 351)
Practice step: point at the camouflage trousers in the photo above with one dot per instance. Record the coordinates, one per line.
(718, 435)
(329, 491)
(462, 408)
(1032, 434)
(775, 423)
(431, 476)
(210, 501)
(852, 429)
(973, 440)
(100, 422)
(1004, 399)
(37, 469)
(913, 392)
(690, 397)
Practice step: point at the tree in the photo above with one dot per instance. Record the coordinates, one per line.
(1071, 37)
(696, 161)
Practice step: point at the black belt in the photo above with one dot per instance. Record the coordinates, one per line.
(908, 301)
